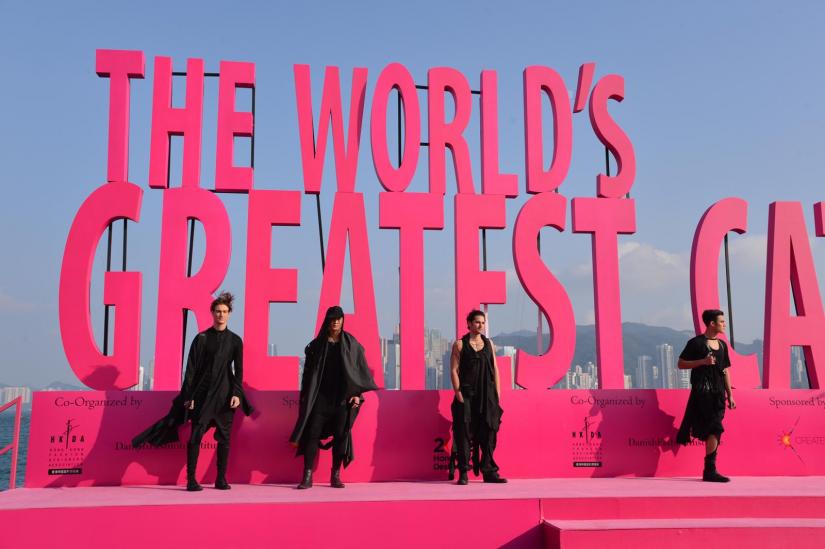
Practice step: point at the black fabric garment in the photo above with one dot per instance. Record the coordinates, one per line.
(355, 380)
(214, 374)
(331, 386)
(705, 408)
(476, 421)
(334, 417)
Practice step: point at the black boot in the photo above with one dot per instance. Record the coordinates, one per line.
(192, 451)
(335, 477)
(307, 482)
(462, 478)
(223, 461)
(710, 474)
(494, 478)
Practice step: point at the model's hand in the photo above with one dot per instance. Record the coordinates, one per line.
(355, 401)
(189, 405)
(459, 397)
(710, 360)
(731, 402)
(234, 402)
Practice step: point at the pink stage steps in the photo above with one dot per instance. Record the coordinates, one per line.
(619, 512)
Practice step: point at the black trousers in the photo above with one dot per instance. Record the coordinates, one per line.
(325, 412)
(473, 431)
(223, 428)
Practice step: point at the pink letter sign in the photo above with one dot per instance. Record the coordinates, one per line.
(265, 285)
(119, 66)
(122, 289)
(540, 372)
(349, 223)
(790, 261)
(472, 286)
(492, 181)
(609, 133)
(168, 121)
(730, 214)
(537, 82)
(605, 218)
(450, 135)
(231, 123)
(411, 213)
(176, 291)
(314, 146)
(395, 77)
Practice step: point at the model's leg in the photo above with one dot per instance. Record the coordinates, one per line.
(312, 435)
(339, 445)
(223, 429)
(461, 440)
(487, 439)
(193, 448)
(710, 474)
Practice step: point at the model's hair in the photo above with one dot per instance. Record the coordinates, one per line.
(711, 315)
(474, 313)
(224, 298)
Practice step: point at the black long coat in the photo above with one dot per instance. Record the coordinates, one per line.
(357, 379)
(225, 382)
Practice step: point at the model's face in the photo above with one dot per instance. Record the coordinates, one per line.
(335, 326)
(220, 316)
(719, 324)
(476, 325)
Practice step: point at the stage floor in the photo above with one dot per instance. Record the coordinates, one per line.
(523, 513)
(544, 489)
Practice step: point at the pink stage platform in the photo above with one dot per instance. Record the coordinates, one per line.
(619, 512)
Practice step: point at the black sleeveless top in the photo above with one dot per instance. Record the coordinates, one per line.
(477, 380)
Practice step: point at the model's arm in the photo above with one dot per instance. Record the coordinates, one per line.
(237, 363)
(728, 392)
(189, 376)
(495, 369)
(690, 364)
(454, 356)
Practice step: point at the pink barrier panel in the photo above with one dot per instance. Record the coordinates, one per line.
(83, 438)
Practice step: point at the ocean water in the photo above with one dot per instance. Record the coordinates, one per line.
(6, 437)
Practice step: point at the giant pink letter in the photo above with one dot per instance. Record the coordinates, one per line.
(790, 260)
(119, 66)
(534, 372)
(395, 76)
(176, 291)
(492, 181)
(349, 223)
(314, 146)
(730, 214)
(474, 287)
(443, 135)
(230, 178)
(411, 213)
(265, 285)
(612, 136)
(121, 289)
(606, 218)
(168, 121)
(538, 81)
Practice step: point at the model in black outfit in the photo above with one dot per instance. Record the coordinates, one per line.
(475, 409)
(707, 357)
(335, 377)
(212, 390)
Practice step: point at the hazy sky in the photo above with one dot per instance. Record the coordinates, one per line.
(722, 99)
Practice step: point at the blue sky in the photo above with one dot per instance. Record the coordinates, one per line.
(722, 99)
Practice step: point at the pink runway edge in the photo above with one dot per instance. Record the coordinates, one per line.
(524, 513)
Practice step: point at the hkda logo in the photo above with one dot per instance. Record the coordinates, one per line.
(68, 436)
(587, 444)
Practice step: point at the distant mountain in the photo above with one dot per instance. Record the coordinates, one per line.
(639, 340)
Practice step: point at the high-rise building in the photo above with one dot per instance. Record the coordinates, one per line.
(799, 378)
(667, 363)
(644, 372)
(8, 394)
(273, 349)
